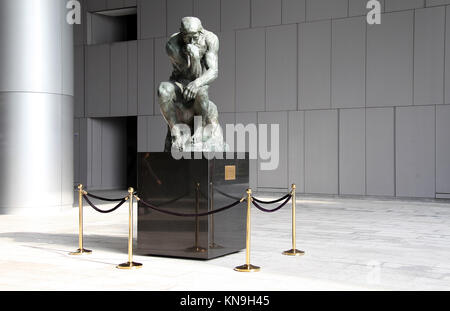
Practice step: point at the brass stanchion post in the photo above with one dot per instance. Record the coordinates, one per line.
(130, 264)
(248, 267)
(196, 248)
(213, 244)
(80, 249)
(294, 251)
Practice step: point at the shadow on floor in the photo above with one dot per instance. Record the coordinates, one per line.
(92, 242)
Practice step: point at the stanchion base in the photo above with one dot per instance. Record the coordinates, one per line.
(196, 249)
(129, 265)
(294, 252)
(81, 252)
(216, 246)
(247, 268)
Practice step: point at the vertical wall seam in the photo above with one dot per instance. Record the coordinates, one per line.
(348, 8)
(297, 89)
(128, 77)
(265, 69)
(414, 59)
(395, 151)
(251, 13)
(62, 22)
(365, 105)
(435, 149)
(235, 71)
(155, 83)
(220, 15)
(446, 9)
(304, 152)
(338, 151)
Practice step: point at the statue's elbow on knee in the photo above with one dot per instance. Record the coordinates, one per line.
(165, 93)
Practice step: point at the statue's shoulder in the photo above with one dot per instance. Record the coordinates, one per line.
(212, 40)
(173, 44)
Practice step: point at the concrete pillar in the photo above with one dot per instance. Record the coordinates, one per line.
(36, 106)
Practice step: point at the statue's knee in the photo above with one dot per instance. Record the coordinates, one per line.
(166, 92)
(202, 97)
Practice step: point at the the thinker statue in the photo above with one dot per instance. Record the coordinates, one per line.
(193, 53)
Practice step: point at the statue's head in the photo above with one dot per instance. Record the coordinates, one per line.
(191, 29)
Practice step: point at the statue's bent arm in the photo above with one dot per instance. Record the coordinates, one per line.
(211, 60)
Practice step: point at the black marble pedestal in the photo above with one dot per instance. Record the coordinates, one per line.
(191, 186)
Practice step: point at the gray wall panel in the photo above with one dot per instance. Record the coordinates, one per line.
(325, 9)
(156, 133)
(67, 52)
(128, 3)
(85, 149)
(96, 5)
(114, 4)
(67, 158)
(429, 45)
(235, 14)
(296, 149)
(79, 30)
(443, 149)
(250, 70)
(96, 155)
(163, 69)
(281, 62)
(293, 11)
(79, 81)
(321, 151)
(97, 80)
(415, 152)
(132, 108)
(314, 65)
(114, 160)
(119, 78)
(437, 2)
(380, 151)
(245, 119)
(145, 77)
(398, 5)
(390, 61)
(276, 178)
(209, 13)
(266, 12)
(142, 133)
(176, 10)
(76, 151)
(348, 82)
(352, 151)
(224, 119)
(222, 91)
(152, 18)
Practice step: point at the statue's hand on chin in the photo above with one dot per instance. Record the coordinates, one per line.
(193, 51)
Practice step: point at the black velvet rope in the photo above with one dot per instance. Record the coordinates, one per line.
(103, 199)
(272, 202)
(173, 200)
(190, 215)
(275, 209)
(225, 194)
(102, 211)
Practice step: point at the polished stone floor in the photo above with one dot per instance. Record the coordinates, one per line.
(350, 244)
